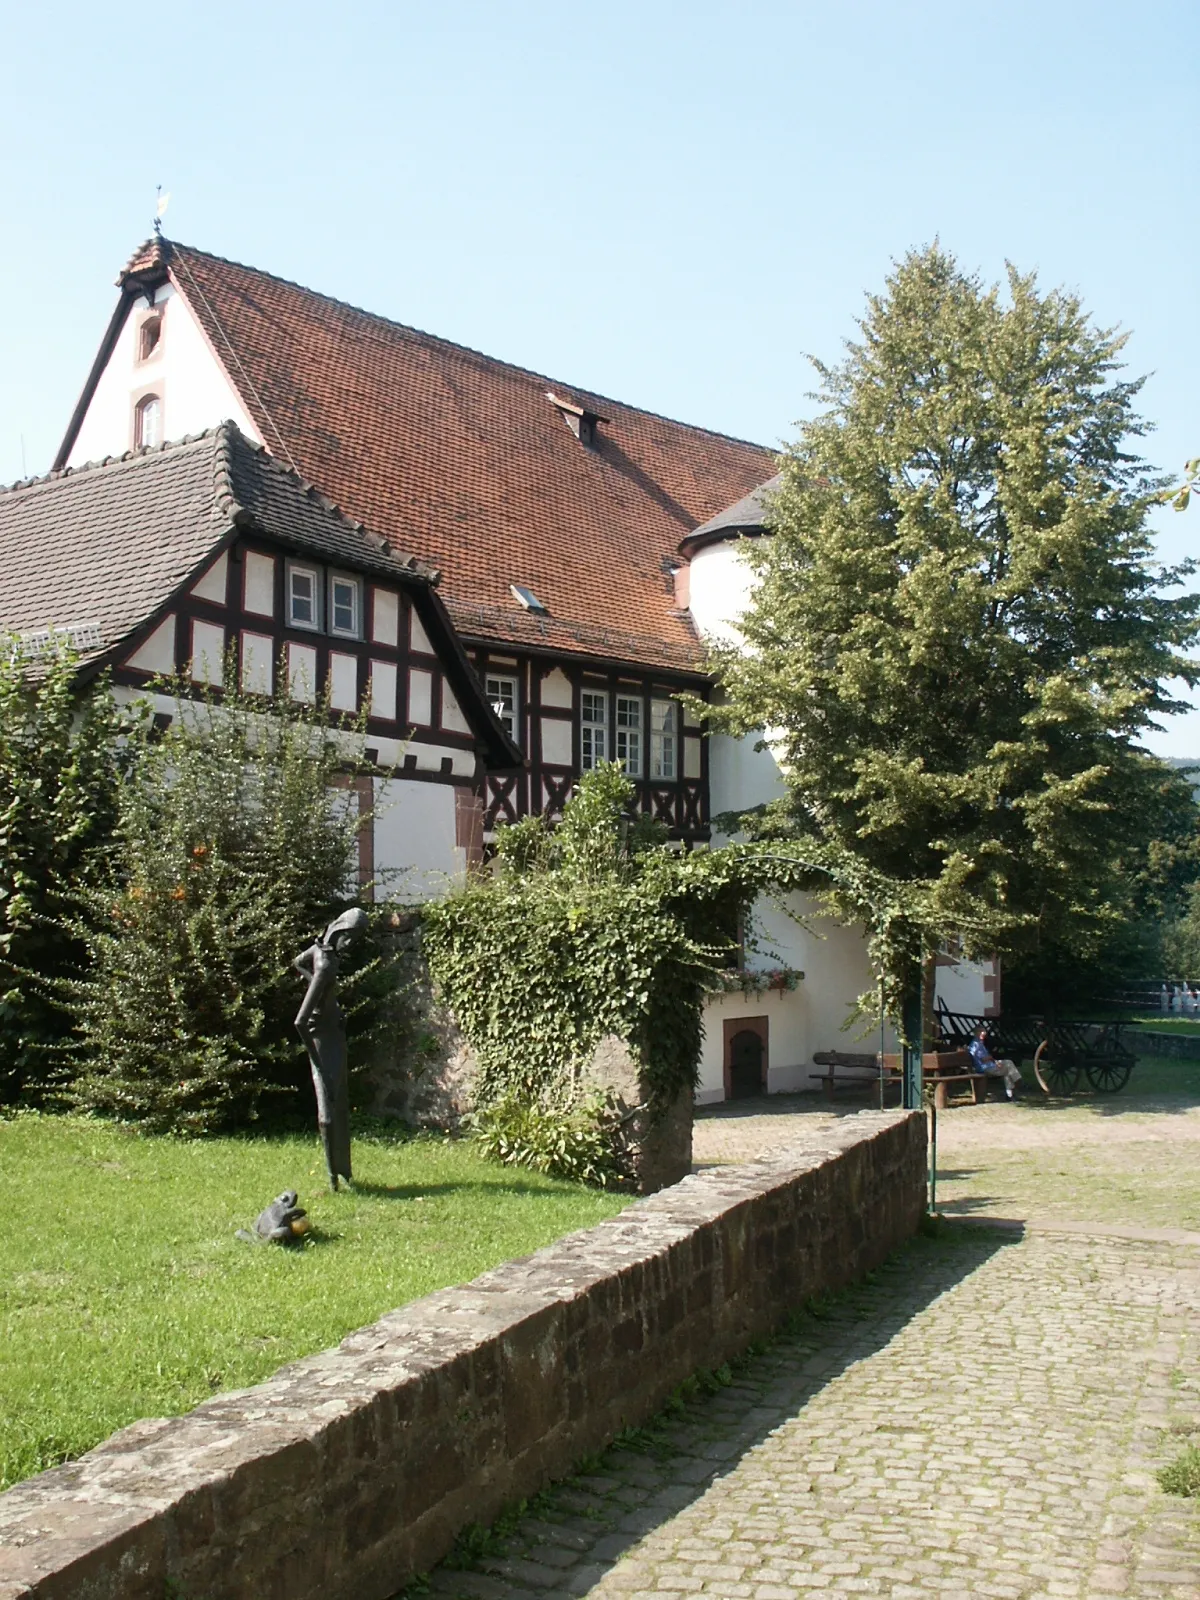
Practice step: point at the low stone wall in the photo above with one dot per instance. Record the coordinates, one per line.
(349, 1471)
(1180, 1046)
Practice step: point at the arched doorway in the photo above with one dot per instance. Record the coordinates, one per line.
(745, 1057)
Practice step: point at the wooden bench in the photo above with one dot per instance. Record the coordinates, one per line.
(832, 1079)
(942, 1069)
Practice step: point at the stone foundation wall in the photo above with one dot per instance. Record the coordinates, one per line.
(349, 1471)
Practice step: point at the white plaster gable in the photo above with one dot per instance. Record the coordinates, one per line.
(213, 584)
(157, 653)
(192, 385)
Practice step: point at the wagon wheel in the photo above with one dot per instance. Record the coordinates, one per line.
(1056, 1072)
(1108, 1074)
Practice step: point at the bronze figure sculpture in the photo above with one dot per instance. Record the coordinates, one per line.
(322, 1029)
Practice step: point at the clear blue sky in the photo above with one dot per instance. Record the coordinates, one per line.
(672, 203)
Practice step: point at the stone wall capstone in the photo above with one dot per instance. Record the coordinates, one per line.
(349, 1471)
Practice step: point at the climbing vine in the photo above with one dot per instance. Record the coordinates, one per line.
(595, 927)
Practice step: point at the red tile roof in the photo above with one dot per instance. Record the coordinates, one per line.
(464, 460)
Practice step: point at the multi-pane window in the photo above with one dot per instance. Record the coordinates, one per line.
(502, 693)
(303, 596)
(664, 739)
(593, 728)
(345, 606)
(629, 734)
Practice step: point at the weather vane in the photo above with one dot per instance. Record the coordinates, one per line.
(164, 200)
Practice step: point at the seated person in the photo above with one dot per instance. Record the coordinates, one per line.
(985, 1061)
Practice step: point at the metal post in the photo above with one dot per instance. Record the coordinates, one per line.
(933, 1160)
(912, 1026)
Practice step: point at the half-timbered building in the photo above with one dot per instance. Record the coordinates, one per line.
(586, 548)
(209, 555)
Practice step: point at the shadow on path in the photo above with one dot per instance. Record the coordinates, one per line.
(567, 1540)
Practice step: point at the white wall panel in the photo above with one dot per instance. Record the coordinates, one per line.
(383, 689)
(418, 638)
(385, 617)
(343, 681)
(208, 653)
(214, 585)
(556, 690)
(416, 854)
(420, 697)
(258, 663)
(259, 591)
(302, 672)
(556, 741)
(452, 717)
(156, 653)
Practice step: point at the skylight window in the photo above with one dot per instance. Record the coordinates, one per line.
(527, 598)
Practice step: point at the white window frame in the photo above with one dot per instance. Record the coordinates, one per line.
(664, 741)
(500, 686)
(356, 587)
(593, 729)
(140, 410)
(628, 744)
(291, 619)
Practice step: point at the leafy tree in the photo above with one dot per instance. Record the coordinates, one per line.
(227, 857)
(959, 630)
(60, 760)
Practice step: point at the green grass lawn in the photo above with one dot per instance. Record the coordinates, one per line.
(1190, 1025)
(125, 1293)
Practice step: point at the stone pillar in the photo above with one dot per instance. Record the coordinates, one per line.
(660, 1139)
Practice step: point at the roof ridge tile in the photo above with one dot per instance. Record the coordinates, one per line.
(136, 453)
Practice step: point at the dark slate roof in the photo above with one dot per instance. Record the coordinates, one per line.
(105, 547)
(747, 515)
(108, 544)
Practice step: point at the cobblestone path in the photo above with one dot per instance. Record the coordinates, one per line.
(983, 1418)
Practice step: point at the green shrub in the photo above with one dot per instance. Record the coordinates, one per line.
(227, 858)
(574, 1136)
(60, 762)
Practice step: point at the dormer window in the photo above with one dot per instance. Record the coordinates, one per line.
(149, 335)
(345, 606)
(582, 422)
(147, 422)
(303, 597)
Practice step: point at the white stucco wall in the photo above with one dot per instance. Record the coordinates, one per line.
(961, 987)
(809, 1018)
(719, 587)
(416, 857)
(183, 371)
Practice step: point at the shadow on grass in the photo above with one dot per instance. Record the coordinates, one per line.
(505, 1183)
(710, 1423)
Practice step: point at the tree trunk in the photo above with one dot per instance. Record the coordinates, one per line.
(929, 1031)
